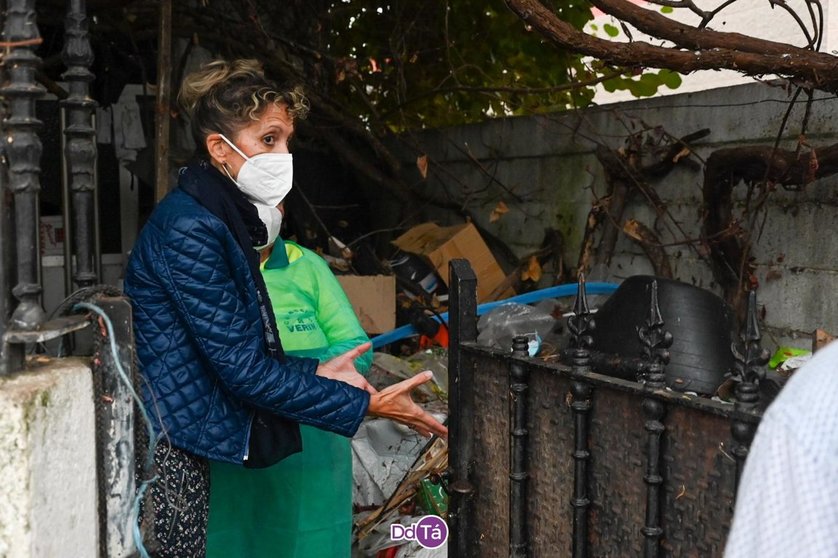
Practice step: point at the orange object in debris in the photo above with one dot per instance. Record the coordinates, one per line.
(440, 339)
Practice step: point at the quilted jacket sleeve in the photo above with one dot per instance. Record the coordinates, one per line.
(197, 266)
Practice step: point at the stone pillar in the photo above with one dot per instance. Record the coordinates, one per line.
(48, 462)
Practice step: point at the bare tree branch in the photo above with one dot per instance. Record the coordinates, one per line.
(687, 36)
(729, 244)
(651, 246)
(818, 69)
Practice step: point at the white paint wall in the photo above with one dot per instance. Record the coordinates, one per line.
(48, 463)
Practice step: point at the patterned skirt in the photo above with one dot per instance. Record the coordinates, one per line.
(178, 502)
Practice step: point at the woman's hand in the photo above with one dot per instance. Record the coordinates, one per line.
(395, 402)
(342, 368)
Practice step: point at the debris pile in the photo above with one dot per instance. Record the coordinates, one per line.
(400, 476)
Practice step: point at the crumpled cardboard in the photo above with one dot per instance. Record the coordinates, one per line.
(373, 297)
(439, 245)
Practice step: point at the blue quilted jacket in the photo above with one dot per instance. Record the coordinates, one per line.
(200, 340)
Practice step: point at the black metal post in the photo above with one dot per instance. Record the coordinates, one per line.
(655, 342)
(462, 328)
(115, 426)
(518, 438)
(750, 360)
(23, 147)
(6, 255)
(580, 324)
(80, 150)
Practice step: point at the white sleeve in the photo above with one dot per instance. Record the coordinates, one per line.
(787, 504)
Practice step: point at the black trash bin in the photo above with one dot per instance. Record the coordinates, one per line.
(701, 323)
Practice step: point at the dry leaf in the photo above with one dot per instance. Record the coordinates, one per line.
(681, 154)
(533, 271)
(630, 228)
(812, 171)
(422, 165)
(499, 211)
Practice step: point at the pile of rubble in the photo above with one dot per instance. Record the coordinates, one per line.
(400, 476)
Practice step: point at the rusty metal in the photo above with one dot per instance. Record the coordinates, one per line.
(619, 366)
(23, 149)
(697, 491)
(80, 144)
(162, 108)
(655, 342)
(518, 437)
(749, 370)
(113, 373)
(462, 327)
(580, 323)
(55, 328)
(638, 482)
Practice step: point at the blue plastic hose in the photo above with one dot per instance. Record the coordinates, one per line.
(558, 291)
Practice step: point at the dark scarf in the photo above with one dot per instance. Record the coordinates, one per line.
(223, 199)
(272, 437)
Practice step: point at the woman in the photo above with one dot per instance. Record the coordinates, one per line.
(302, 506)
(215, 378)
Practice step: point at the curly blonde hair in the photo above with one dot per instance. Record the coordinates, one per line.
(223, 97)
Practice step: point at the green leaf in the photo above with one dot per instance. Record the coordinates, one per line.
(645, 89)
(670, 79)
(611, 30)
(646, 86)
(611, 85)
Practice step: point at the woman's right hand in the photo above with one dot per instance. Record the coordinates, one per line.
(342, 368)
(394, 402)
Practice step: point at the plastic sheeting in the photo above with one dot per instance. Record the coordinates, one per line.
(382, 454)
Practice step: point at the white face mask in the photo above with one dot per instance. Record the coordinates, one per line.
(272, 218)
(265, 178)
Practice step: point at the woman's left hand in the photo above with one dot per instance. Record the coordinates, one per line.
(394, 402)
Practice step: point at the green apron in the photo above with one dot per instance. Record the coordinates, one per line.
(302, 506)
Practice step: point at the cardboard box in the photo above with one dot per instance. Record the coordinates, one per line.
(443, 244)
(374, 299)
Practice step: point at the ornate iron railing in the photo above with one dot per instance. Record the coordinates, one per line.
(80, 144)
(583, 463)
(23, 323)
(27, 323)
(23, 153)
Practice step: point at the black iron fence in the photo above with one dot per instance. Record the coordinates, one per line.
(556, 459)
(23, 322)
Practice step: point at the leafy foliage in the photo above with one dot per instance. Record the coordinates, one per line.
(409, 64)
(394, 64)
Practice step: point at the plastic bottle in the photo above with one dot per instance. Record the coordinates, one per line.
(499, 326)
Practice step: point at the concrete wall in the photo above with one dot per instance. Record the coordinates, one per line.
(545, 170)
(48, 463)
